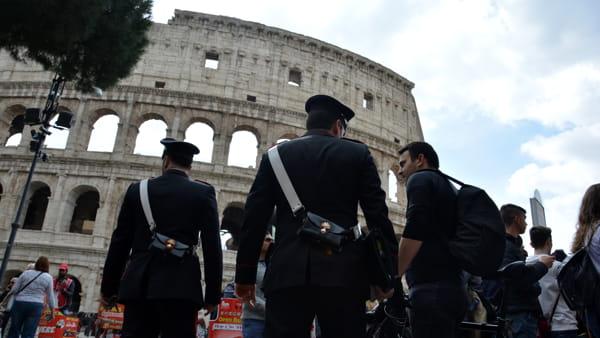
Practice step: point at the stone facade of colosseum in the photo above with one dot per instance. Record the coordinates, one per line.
(262, 78)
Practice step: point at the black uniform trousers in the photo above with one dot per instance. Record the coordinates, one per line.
(170, 318)
(290, 312)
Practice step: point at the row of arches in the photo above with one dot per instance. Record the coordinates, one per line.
(243, 147)
(81, 206)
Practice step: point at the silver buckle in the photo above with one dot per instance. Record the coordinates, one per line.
(357, 231)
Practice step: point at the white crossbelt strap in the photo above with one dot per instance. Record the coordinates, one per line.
(146, 204)
(284, 180)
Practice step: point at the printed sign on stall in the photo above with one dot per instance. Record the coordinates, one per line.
(228, 323)
(60, 326)
(111, 317)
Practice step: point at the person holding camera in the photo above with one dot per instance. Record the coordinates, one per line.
(152, 266)
(312, 271)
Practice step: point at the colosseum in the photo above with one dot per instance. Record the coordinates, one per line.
(204, 78)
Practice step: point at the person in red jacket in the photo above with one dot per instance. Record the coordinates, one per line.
(64, 287)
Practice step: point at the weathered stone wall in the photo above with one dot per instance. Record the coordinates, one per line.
(253, 60)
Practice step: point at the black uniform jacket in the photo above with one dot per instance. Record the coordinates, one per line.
(331, 177)
(181, 208)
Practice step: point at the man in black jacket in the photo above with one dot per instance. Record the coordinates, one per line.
(437, 293)
(331, 176)
(162, 292)
(521, 298)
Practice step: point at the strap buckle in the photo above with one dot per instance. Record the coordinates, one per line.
(357, 231)
(299, 211)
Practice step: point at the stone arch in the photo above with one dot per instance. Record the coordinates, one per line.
(152, 129)
(58, 138)
(201, 134)
(231, 222)
(8, 275)
(39, 194)
(249, 128)
(77, 288)
(285, 137)
(104, 130)
(9, 115)
(82, 204)
(243, 149)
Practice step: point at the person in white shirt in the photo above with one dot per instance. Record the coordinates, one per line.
(562, 320)
(30, 291)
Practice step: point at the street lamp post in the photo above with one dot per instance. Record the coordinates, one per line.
(34, 116)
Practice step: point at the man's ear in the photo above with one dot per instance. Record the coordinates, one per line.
(421, 161)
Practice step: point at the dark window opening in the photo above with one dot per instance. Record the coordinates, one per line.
(36, 211)
(251, 98)
(84, 215)
(368, 101)
(295, 78)
(159, 84)
(212, 60)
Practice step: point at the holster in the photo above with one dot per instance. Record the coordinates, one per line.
(319, 230)
(171, 246)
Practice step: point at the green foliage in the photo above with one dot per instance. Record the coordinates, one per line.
(90, 42)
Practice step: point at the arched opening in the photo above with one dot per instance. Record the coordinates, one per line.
(104, 134)
(14, 140)
(231, 223)
(201, 135)
(243, 149)
(148, 139)
(84, 212)
(1, 191)
(15, 131)
(8, 275)
(392, 186)
(12, 123)
(58, 138)
(76, 300)
(36, 209)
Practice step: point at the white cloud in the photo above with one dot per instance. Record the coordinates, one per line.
(565, 165)
(512, 61)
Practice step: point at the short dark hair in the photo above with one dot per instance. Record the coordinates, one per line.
(416, 148)
(321, 119)
(509, 212)
(42, 264)
(181, 160)
(539, 236)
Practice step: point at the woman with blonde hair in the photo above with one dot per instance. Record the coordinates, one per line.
(30, 291)
(588, 235)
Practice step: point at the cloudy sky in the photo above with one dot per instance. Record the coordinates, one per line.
(507, 91)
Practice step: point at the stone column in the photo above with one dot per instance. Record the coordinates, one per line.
(174, 132)
(221, 148)
(56, 219)
(79, 130)
(122, 143)
(102, 223)
(262, 148)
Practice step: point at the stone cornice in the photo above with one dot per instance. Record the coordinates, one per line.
(234, 25)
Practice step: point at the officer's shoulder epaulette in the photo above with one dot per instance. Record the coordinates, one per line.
(202, 182)
(353, 140)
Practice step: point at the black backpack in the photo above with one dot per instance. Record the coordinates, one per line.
(479, 241)
(579, 282)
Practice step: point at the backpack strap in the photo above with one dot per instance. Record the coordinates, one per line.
(146, 204)
(448, 177)
(554, 309)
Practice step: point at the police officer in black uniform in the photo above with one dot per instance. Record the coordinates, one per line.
(156, 274)
(331, 176)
